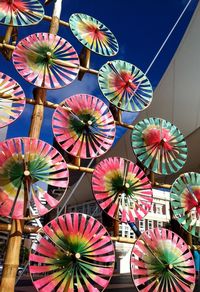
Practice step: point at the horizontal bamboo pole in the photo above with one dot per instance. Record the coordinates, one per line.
(80, 168)
(49, 18)
(59, 62)
(7, 46)
(6, 227)
(45, 103)
(33, 229)
(119, 123)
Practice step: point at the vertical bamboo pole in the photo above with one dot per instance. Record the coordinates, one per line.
(84, 61)
(11, 262)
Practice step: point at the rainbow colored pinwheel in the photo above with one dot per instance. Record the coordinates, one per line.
(159, 145)
(46, 60)
(12, 100)
(76, 254)
(122, 189)
(93, 34)
(162, 262)
(20, 12)
(185, 201)
(84, 126)
(125, 86)
(27, 167)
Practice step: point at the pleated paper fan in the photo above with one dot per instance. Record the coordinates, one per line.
(84, 126)
(122, 189)
(125, 86)
(28, 168)
(20, 12)
(93, 34)
(161, 261)
(185, 201)
(159, 145)
(46, 60)
(12, 100)
(75, 254)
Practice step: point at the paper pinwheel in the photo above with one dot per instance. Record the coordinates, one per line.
(20, 12)
(125, 86)
(27, 167)
(185, 201)
(159, 145)
(84, 126)
(12, 100)
(46, 60)
(121, 189)
(162, 261)
(93, 34)
(76, 254)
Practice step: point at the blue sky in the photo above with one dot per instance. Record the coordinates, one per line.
(140, 26)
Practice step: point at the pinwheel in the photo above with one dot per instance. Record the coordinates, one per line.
(20, 12)
(46, 60)
(125, 86)
(162, 261)
(84, 126)
(76, 254)
(185, 201)
(12, 100)
(159, 145)
(122, 189)
(93, 34)
(27, 167)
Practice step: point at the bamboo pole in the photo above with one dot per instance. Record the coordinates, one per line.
(84, 61)
(11, 262)
(59, 62)
(49, 18)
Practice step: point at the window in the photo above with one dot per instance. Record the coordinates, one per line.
(150, 224)
(141, 225)
(158, 209)
(159, 224)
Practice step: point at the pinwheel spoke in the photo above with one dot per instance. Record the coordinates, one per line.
(83, 253)
(154, 262)
(125, 86)
(84, 126)
(185, 201)
(42, 60)
(29, 161)
(122, 189)
(151, 142)
(93, 34)
(12, 100)
(17, 12)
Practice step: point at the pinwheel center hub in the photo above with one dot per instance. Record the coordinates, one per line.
(164, 140)
(170, 266)
(77, 255)
(127, 185)
(49, 55)
(89, 123)
(26, 173)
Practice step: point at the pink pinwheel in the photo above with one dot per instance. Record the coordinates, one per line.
(159, 145)
(185, 201)
(125, 86)
(93, 34)
(76, 254)
(84, 126)
(162, 261)
(28, 166)
(20, 12)
(46, 60)
(12, 100)
(122, 189)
